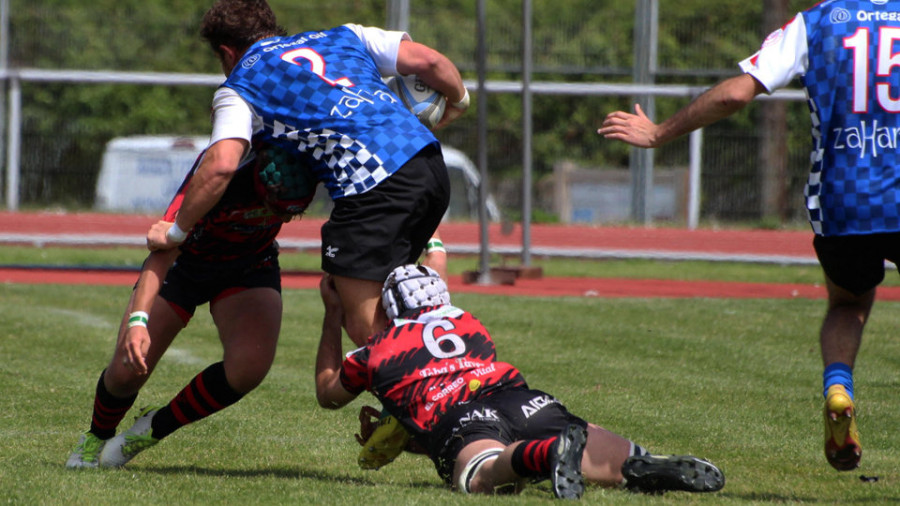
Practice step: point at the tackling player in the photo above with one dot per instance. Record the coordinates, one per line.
(435, 369)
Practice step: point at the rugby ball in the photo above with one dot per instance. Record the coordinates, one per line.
(422, 100)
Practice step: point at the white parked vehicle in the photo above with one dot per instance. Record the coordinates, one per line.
(140, 174)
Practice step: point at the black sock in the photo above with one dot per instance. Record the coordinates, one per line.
(206, 394)
(109, 410)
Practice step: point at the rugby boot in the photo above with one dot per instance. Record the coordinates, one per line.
(655, 474)
(86, 453)
(842, 448)
(119, 450)
(565, 463)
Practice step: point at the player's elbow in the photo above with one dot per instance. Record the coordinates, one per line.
(325, 403)
(432, 62)
(419, 59)
(330, 397)
(735, 100)
(328, 402)
(221, 170)
(739, 91)
(223, 158)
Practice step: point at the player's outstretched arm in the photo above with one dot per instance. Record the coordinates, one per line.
(635, 129)
(720, 101)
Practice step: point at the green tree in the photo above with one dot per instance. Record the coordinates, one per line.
(67, 125)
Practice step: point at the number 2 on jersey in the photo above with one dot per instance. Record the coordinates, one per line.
(316, 65)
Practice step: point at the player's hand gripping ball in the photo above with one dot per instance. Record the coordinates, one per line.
(382, 438)
(286, 185)
(422, 100)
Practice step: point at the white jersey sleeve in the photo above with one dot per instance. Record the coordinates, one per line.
(783, 56)
(382, 44)
(232, 117)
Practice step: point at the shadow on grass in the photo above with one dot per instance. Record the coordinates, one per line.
(779, 498)
(290, 473)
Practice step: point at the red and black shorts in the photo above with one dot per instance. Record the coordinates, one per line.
(506, 416)
(370, 234)
(856, 262)
(190, 283)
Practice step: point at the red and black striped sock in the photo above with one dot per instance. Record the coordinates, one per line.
(531, 459)
(206, 394)
(109, 410)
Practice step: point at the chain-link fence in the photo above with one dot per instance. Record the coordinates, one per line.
(65, 126)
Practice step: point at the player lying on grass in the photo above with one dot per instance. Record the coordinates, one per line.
(230, 260)
(435, 369)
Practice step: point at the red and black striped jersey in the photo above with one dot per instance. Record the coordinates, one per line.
(424, 364)
(238, 227)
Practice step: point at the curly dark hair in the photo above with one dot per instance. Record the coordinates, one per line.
(239, 23)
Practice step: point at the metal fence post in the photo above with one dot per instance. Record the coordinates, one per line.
(526, 132)
(13, 145)
(641, 161)
(696, 163)
(398, 15)
(485, 257)
(4, 68)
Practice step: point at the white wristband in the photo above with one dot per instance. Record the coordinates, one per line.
(138, 318)
(175, 234)
(434, 245)
(463, 103)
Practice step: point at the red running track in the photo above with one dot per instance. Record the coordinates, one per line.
(759, 242)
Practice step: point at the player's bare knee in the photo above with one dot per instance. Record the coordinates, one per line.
(244, 379)
(359, 328)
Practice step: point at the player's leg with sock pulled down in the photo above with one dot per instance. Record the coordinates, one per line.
(611, 460)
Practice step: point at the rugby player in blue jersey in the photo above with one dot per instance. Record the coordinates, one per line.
(845, 53)
(320, 96)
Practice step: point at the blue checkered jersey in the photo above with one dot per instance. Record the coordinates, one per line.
(321, 94)
(847, 54)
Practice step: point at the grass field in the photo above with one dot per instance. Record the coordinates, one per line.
(736, 381)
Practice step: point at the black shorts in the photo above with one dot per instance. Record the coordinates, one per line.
(370, 234)
(507, 416)
(189, 284)
(856, 262)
